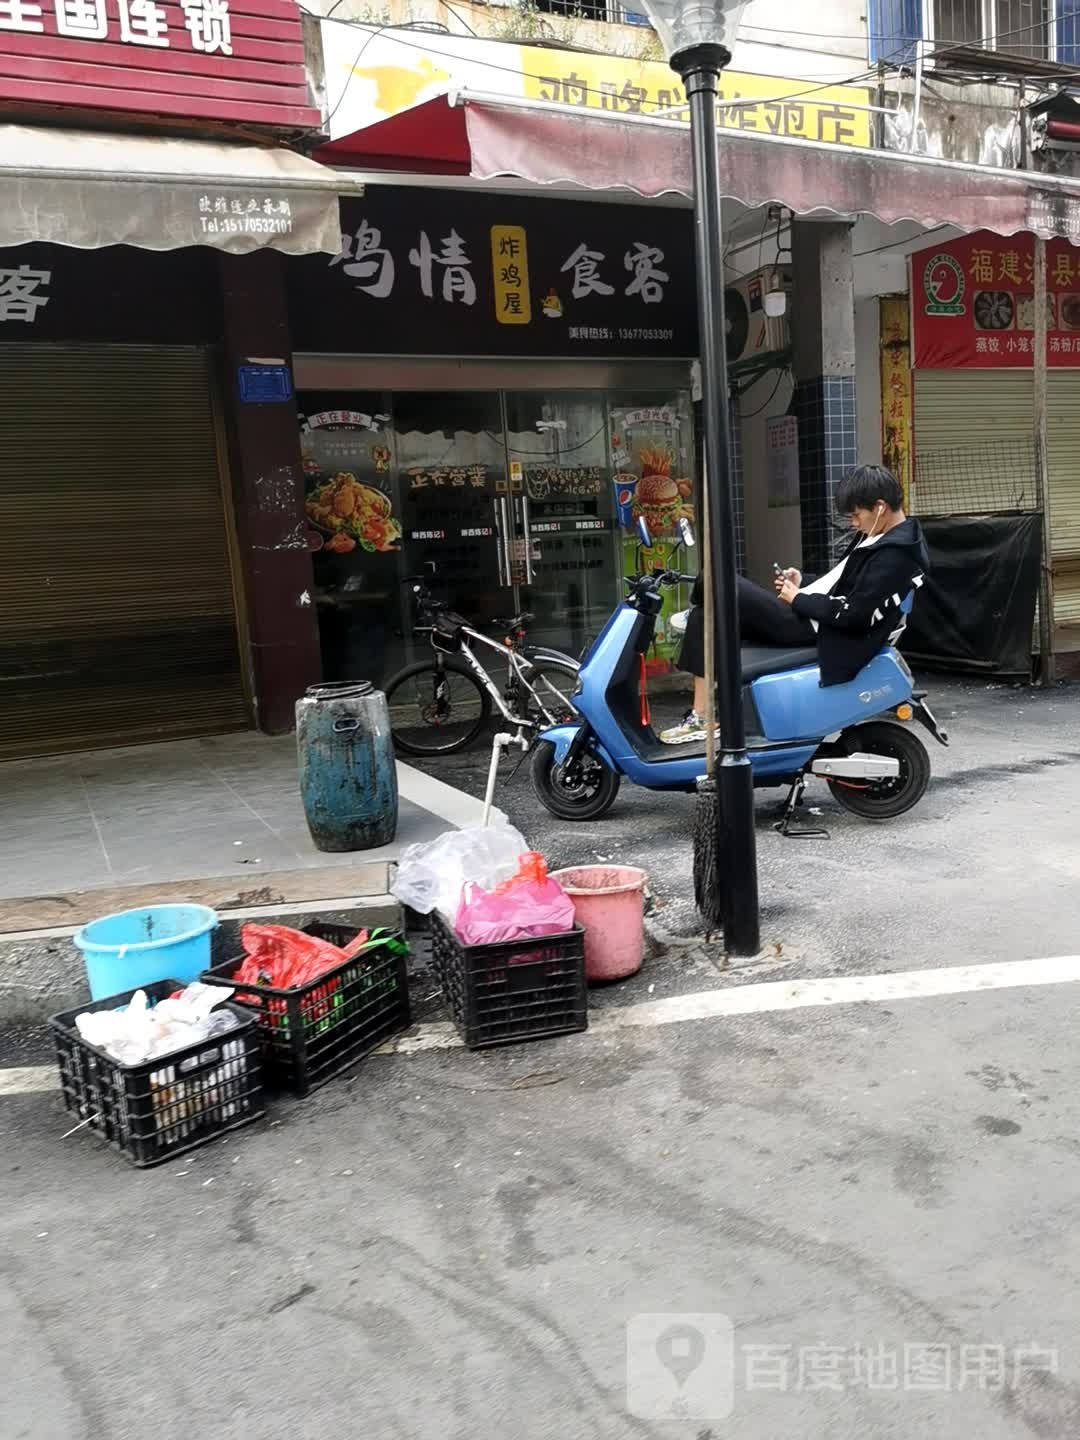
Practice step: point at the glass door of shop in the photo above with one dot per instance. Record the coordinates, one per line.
(652, 454)
(451, 460)
(564, 517)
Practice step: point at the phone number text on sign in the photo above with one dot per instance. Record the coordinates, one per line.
(221, 216)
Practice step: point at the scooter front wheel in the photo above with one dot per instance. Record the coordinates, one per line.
(584, 793)
(884, 799)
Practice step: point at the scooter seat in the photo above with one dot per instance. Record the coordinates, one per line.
(759, 660)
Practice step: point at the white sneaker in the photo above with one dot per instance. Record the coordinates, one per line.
(690, 728)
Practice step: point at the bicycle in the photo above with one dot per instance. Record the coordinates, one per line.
(440, 706)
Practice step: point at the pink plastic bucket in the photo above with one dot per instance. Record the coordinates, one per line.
(609, 902)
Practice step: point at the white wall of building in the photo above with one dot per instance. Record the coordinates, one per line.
(826, 41)
(771, 535)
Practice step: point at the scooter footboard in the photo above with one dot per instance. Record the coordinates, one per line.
(561, 737)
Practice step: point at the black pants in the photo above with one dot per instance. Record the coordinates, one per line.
(763, 620)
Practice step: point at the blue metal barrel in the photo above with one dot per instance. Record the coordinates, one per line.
(348, 782)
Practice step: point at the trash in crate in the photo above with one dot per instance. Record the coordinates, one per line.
(521, 990)
(159, 1070)
(284, 958)
(277, 958)
(140, 1031)
(324, 997)
(430, 876)
(526, 906)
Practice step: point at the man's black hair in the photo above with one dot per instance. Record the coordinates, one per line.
(863, 487)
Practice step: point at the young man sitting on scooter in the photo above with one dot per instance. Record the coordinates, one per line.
(849, 614)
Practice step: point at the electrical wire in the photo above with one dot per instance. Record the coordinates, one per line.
(892, 244)
(785, 370)
(459, 18)
(980, 40)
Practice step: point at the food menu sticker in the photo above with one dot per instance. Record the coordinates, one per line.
(651, 478)
(973, 303)
(353, 514)
(347, 470)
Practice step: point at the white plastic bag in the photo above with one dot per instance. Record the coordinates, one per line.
(138, 1031)
(431, 876)
(678, 622)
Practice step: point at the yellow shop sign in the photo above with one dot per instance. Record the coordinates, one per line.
(795, 108)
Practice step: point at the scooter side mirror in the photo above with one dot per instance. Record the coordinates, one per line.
(686, 530)
(644, 534)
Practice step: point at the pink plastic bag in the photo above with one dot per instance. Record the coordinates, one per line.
(522, 908)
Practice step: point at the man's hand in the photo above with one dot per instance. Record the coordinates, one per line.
(795, 576)
(788, 590)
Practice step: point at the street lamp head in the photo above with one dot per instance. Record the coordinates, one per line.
(687, 25)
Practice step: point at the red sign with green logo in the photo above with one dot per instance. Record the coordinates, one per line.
(973, 304)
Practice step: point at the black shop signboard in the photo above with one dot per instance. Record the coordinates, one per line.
(424, 272)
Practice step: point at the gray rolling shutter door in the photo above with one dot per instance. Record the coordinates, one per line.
(117, 612)
(987, 416)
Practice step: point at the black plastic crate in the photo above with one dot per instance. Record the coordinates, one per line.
(521, 990)
(163, 1107)
(315, 1031)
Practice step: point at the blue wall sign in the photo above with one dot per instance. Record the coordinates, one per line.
(265, 384)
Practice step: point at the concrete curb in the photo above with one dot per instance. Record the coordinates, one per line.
(41, 972)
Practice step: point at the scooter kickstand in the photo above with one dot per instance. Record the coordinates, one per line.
(784, 825)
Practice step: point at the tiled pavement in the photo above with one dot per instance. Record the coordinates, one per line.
(186, 810)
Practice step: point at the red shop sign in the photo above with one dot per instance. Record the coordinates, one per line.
(973, 303)
(220, 60)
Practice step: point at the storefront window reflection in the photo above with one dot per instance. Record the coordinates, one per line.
(505, 501)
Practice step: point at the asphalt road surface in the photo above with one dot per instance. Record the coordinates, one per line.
(847, 1217)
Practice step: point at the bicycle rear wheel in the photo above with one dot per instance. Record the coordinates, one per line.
(436, 709)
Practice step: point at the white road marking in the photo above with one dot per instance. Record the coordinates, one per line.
(715, 1004)
(440, 799)
(29, 1079)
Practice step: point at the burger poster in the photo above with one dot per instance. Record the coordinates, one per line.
(650, 450)
(973, 304)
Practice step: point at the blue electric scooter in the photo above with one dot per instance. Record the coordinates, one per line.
(854, 735)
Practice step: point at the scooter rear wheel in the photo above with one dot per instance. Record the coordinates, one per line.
(884, 799)
(586, 794)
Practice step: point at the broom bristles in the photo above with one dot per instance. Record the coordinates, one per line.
(707, 891)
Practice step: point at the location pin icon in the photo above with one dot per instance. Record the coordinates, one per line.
(680, 1349)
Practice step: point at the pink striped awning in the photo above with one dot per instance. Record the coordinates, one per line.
(542, 144)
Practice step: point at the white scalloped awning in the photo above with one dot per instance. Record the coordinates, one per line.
(488, 138)
(89, 189)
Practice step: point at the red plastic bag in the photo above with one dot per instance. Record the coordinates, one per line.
(526, 906)
(284, 958)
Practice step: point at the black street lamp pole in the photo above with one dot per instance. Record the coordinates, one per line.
(735, 850)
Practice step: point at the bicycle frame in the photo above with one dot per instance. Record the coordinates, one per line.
(518, 667)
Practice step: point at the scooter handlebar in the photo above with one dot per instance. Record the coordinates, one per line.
(658, 578)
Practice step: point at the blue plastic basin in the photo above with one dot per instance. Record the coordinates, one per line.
(137, 947)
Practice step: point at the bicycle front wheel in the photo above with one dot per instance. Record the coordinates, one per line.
(436, 709)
